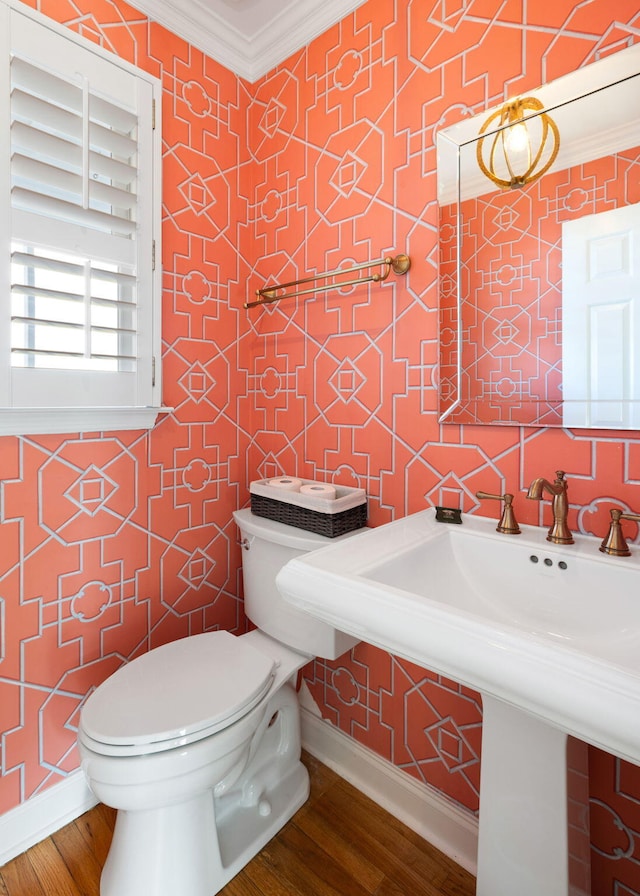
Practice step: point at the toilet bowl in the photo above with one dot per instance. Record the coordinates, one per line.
(197, 742)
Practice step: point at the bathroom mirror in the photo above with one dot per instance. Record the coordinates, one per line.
(540, 284)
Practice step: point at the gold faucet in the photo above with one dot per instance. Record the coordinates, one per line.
(559, 532)
(615, 543)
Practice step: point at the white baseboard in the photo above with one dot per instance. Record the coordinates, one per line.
(446, 826)
(43, 814)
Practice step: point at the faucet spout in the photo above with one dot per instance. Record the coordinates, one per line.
(559, 532)
(540, 485)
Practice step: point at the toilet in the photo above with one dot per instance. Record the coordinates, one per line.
(197, 742)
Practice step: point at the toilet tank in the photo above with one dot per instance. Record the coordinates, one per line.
(267, 546)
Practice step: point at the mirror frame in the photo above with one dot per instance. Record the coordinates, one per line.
(451, 140)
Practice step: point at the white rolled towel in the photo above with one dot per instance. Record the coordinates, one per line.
(287, 483)
(318, 490)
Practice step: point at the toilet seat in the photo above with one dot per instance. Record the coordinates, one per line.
(216, 679)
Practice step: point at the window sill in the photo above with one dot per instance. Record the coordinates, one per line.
(41, 421)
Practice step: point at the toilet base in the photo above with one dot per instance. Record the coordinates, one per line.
(248, 823)
(195, 847)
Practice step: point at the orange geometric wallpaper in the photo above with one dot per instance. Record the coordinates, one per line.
(113, 544)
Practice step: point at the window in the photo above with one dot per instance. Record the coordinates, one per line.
(82, 162)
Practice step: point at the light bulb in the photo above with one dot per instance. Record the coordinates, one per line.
(516, 138)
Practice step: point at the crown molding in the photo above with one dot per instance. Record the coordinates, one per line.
(235, 41)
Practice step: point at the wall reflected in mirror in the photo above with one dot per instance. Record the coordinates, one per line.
(540, 285)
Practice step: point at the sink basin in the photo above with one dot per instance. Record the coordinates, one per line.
(553, 630)
(545, 591)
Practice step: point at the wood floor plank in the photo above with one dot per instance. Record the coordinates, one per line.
(459, 883)
(80, 859)
(265, 878)
(305, 865)
(330, 838)
(416, 849)
(321, 776)
(391, 825)
(393, 839)
(20, 878)
(53, 874)
(96, 828)
(384, 841)
(240, 885)
(395, 888)
(389, 888)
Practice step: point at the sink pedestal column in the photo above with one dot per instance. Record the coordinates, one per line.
(523, 834)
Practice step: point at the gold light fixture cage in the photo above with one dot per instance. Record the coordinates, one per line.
(523, 144)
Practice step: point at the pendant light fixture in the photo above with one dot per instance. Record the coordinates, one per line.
(523, 143)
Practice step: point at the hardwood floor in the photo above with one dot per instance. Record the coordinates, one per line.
(339, 844)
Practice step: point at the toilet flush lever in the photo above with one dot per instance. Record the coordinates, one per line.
(244, 544)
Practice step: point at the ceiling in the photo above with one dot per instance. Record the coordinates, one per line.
(249, 37)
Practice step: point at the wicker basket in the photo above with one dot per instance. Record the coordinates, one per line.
(331, 518)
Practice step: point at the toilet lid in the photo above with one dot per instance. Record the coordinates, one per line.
(179, 692)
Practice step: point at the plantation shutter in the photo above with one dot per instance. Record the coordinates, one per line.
(81, 235)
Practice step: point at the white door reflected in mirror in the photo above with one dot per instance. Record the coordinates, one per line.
(601, 319)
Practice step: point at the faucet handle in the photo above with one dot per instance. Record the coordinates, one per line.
(508, 524)
(615, 543)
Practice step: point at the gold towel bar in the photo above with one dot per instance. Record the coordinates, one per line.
(399, 264)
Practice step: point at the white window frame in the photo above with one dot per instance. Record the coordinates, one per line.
(23, 411)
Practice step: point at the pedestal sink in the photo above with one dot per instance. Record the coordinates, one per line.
(548, 635)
